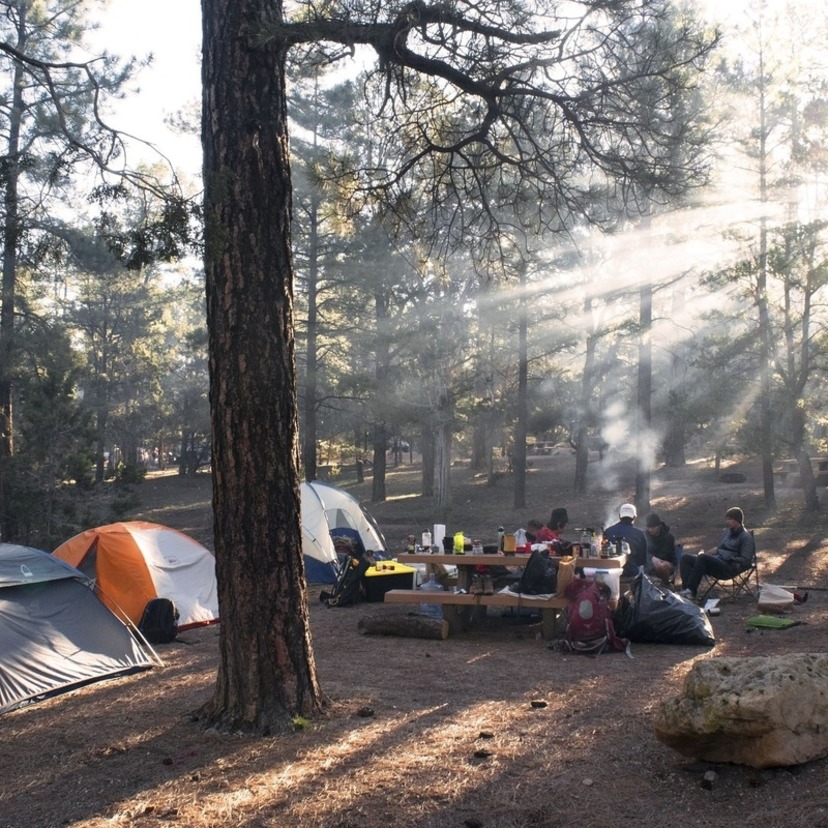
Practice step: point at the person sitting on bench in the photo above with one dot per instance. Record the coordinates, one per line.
(735, 553)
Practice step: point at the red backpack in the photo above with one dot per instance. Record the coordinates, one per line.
(589, 627)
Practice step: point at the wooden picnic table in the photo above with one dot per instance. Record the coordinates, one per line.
(459, 607)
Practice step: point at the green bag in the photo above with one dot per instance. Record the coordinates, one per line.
(771, 622)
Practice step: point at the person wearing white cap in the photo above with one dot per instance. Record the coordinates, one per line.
(624, 530)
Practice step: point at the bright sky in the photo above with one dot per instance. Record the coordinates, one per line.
(170, 30)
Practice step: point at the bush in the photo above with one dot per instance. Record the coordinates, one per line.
(131, 473)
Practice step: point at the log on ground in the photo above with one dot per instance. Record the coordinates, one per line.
(408, 626)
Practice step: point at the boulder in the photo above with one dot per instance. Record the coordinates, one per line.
(761, 712)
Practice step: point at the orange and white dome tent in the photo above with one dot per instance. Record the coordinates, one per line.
(133, 562)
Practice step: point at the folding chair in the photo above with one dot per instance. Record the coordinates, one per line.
(745, 583)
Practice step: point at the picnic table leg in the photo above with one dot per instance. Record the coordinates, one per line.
(551, 623)
(459, 618)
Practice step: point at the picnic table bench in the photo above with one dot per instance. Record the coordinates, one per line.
(458, 607)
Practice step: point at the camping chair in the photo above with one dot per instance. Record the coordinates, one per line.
(745, 582)
(347, 541)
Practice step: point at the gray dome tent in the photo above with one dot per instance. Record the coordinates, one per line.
(55, 634)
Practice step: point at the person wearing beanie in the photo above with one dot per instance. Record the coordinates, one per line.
(624, 530)
(736, 553)
(661, 548)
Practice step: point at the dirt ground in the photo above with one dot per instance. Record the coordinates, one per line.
(490, 728)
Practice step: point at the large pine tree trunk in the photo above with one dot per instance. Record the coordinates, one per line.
(267, 673)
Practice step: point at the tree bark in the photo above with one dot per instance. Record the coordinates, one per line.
(267, 675)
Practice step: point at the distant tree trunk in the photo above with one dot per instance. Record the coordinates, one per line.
(796, 379)
(380, 444)
(490, 415)
(581, 443)
(383, 360)
(806, 472)
(479, 430)
(267, 674)
(806, 476)
(479, 444)
(644, 461)
(675, 439)
(442, 456)
(765, 405)
(10, 238)
(427, 452)
(101, 415)
(359, 457)
(765, 333)
(676, 436)
(184, 453)
(309, 434)
(521, 425)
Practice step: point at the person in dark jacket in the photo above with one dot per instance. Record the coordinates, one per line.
(637, 540)
(736, 553)
(661, 548)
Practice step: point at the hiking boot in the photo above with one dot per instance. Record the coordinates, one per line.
(488, 585)
(476, 586)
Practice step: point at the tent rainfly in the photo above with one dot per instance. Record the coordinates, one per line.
(55, 634)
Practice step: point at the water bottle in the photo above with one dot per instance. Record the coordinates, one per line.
(500, 533)
(431, 610)
(459, 543)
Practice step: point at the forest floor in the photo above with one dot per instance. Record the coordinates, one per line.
(487, 729)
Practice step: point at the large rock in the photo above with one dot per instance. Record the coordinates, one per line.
(761, 712)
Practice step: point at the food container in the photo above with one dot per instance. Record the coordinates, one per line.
(611, 577)
(385, 575)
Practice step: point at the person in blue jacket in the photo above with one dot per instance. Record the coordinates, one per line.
(625, 530)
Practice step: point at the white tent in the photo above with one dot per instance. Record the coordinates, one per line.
(329, 512)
